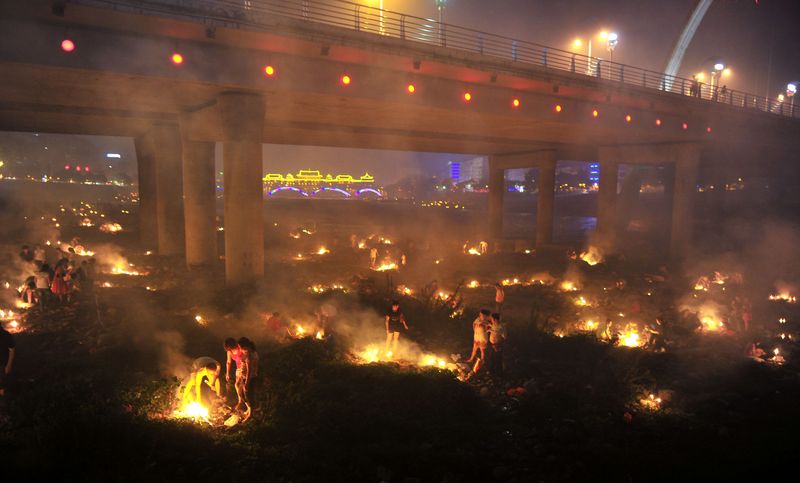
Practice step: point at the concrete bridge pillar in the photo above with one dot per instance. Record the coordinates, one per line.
(496, 193)
(169, 193)
(607, 201)
(199, 202)
(684, 189)
(242, 121)
(546, 201)
(148, 219)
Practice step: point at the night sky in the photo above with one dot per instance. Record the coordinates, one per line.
(757, 40)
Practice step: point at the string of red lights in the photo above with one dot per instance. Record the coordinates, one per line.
(68, 45)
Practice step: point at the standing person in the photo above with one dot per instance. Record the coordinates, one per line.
(373, 256)
(7, 350)
(497, 337)
(234, 353)
(499, 297)
(395, 321)
(479, 339)
(251, 385)
(60, 285)
(26, 254)
(43, 282)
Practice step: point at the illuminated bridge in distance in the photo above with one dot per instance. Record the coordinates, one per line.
(309, 183)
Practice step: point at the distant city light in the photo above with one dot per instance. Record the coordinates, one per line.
(467, 96)
(269, 71)
(558, 108)
(177, 58)
(346, 80)
(113, 155)
(67, 45)
(595, 113)
(628, 118)
(515, 103)
(411, 88)
(86, 169)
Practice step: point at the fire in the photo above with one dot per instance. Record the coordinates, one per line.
(568, 286)
(300, 331)
(86, 222)
(592, 256)
(630, 337)
(323, 251)
(319, 335)
(473, 284)
(405, 290)
(386, 265)
(120, 269)
(194, 411)
(319, 288)
(473, 251)
(200, 320)
(107, 285)
(652, 402)
(785, 296)
(711, 323)
(582, 302)
(588, 326)
(110, 227)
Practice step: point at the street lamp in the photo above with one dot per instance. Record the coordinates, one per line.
(611, 44)
(440, 4)
(719, 71)
(791, 90)
(611, 40)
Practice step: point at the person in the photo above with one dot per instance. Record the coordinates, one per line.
(235, 353)
(499, 297)
(479, 340)
(483, 247)
(656, 339)
(26, 254)
(395, 320)
(497, 337)
(28, 293)
(373, 256)
(43, 285)
(205, 371)
(7, 350)
(251, 384)
(60, 284)
(39, 255)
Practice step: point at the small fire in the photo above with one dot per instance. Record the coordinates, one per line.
(323, 251)
(320, 335)
(200, 320)
(588, 326)
(711, 323)
(107, 285)
(110, 227)
(473, 251)
(652, 402)
(194, 411)
(592, 256)
(630, 337)
(785, 296)
(568, 286)
(777, 358)
(121, 269)
(300, 331)
(405, 290)
(386, 265)
(582, 302)
(319, 288)
(86, 222)
(473, 284)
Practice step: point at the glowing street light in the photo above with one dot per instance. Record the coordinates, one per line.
(610, 38)
(611, 43)
(67, 45)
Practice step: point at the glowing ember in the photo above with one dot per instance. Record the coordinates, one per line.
(592, 256)
(630, 337)
(110, 227)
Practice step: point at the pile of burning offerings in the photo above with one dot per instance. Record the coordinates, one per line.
(110, 227)
(592, 256)
(320, 288)
(482, 248)
(123, 267)
(630, 337)
(299, 331)
(386, 265)
(12, 321)
(373, 354)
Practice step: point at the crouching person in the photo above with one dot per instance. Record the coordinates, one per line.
(202, 385)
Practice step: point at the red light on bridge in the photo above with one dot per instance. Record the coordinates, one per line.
(467, 97)
(658, 122)
(66, 167)
(708, 129)
(67, 45)
(411, 89)
(685, 126)
(77, 168)
(558, 108)
(177, 58)
(346, 80)
(595, 113)
(515, 103)
(628, 118)
(86, 169)
(269, 71)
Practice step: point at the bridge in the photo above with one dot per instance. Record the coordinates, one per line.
(180, 75)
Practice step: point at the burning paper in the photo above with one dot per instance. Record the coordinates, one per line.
(110, 227)
(592, 256)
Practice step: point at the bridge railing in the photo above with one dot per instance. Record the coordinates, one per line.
(363, 18)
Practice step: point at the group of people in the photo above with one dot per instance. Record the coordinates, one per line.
(203, 384)
(60, 282)
(488, 341)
